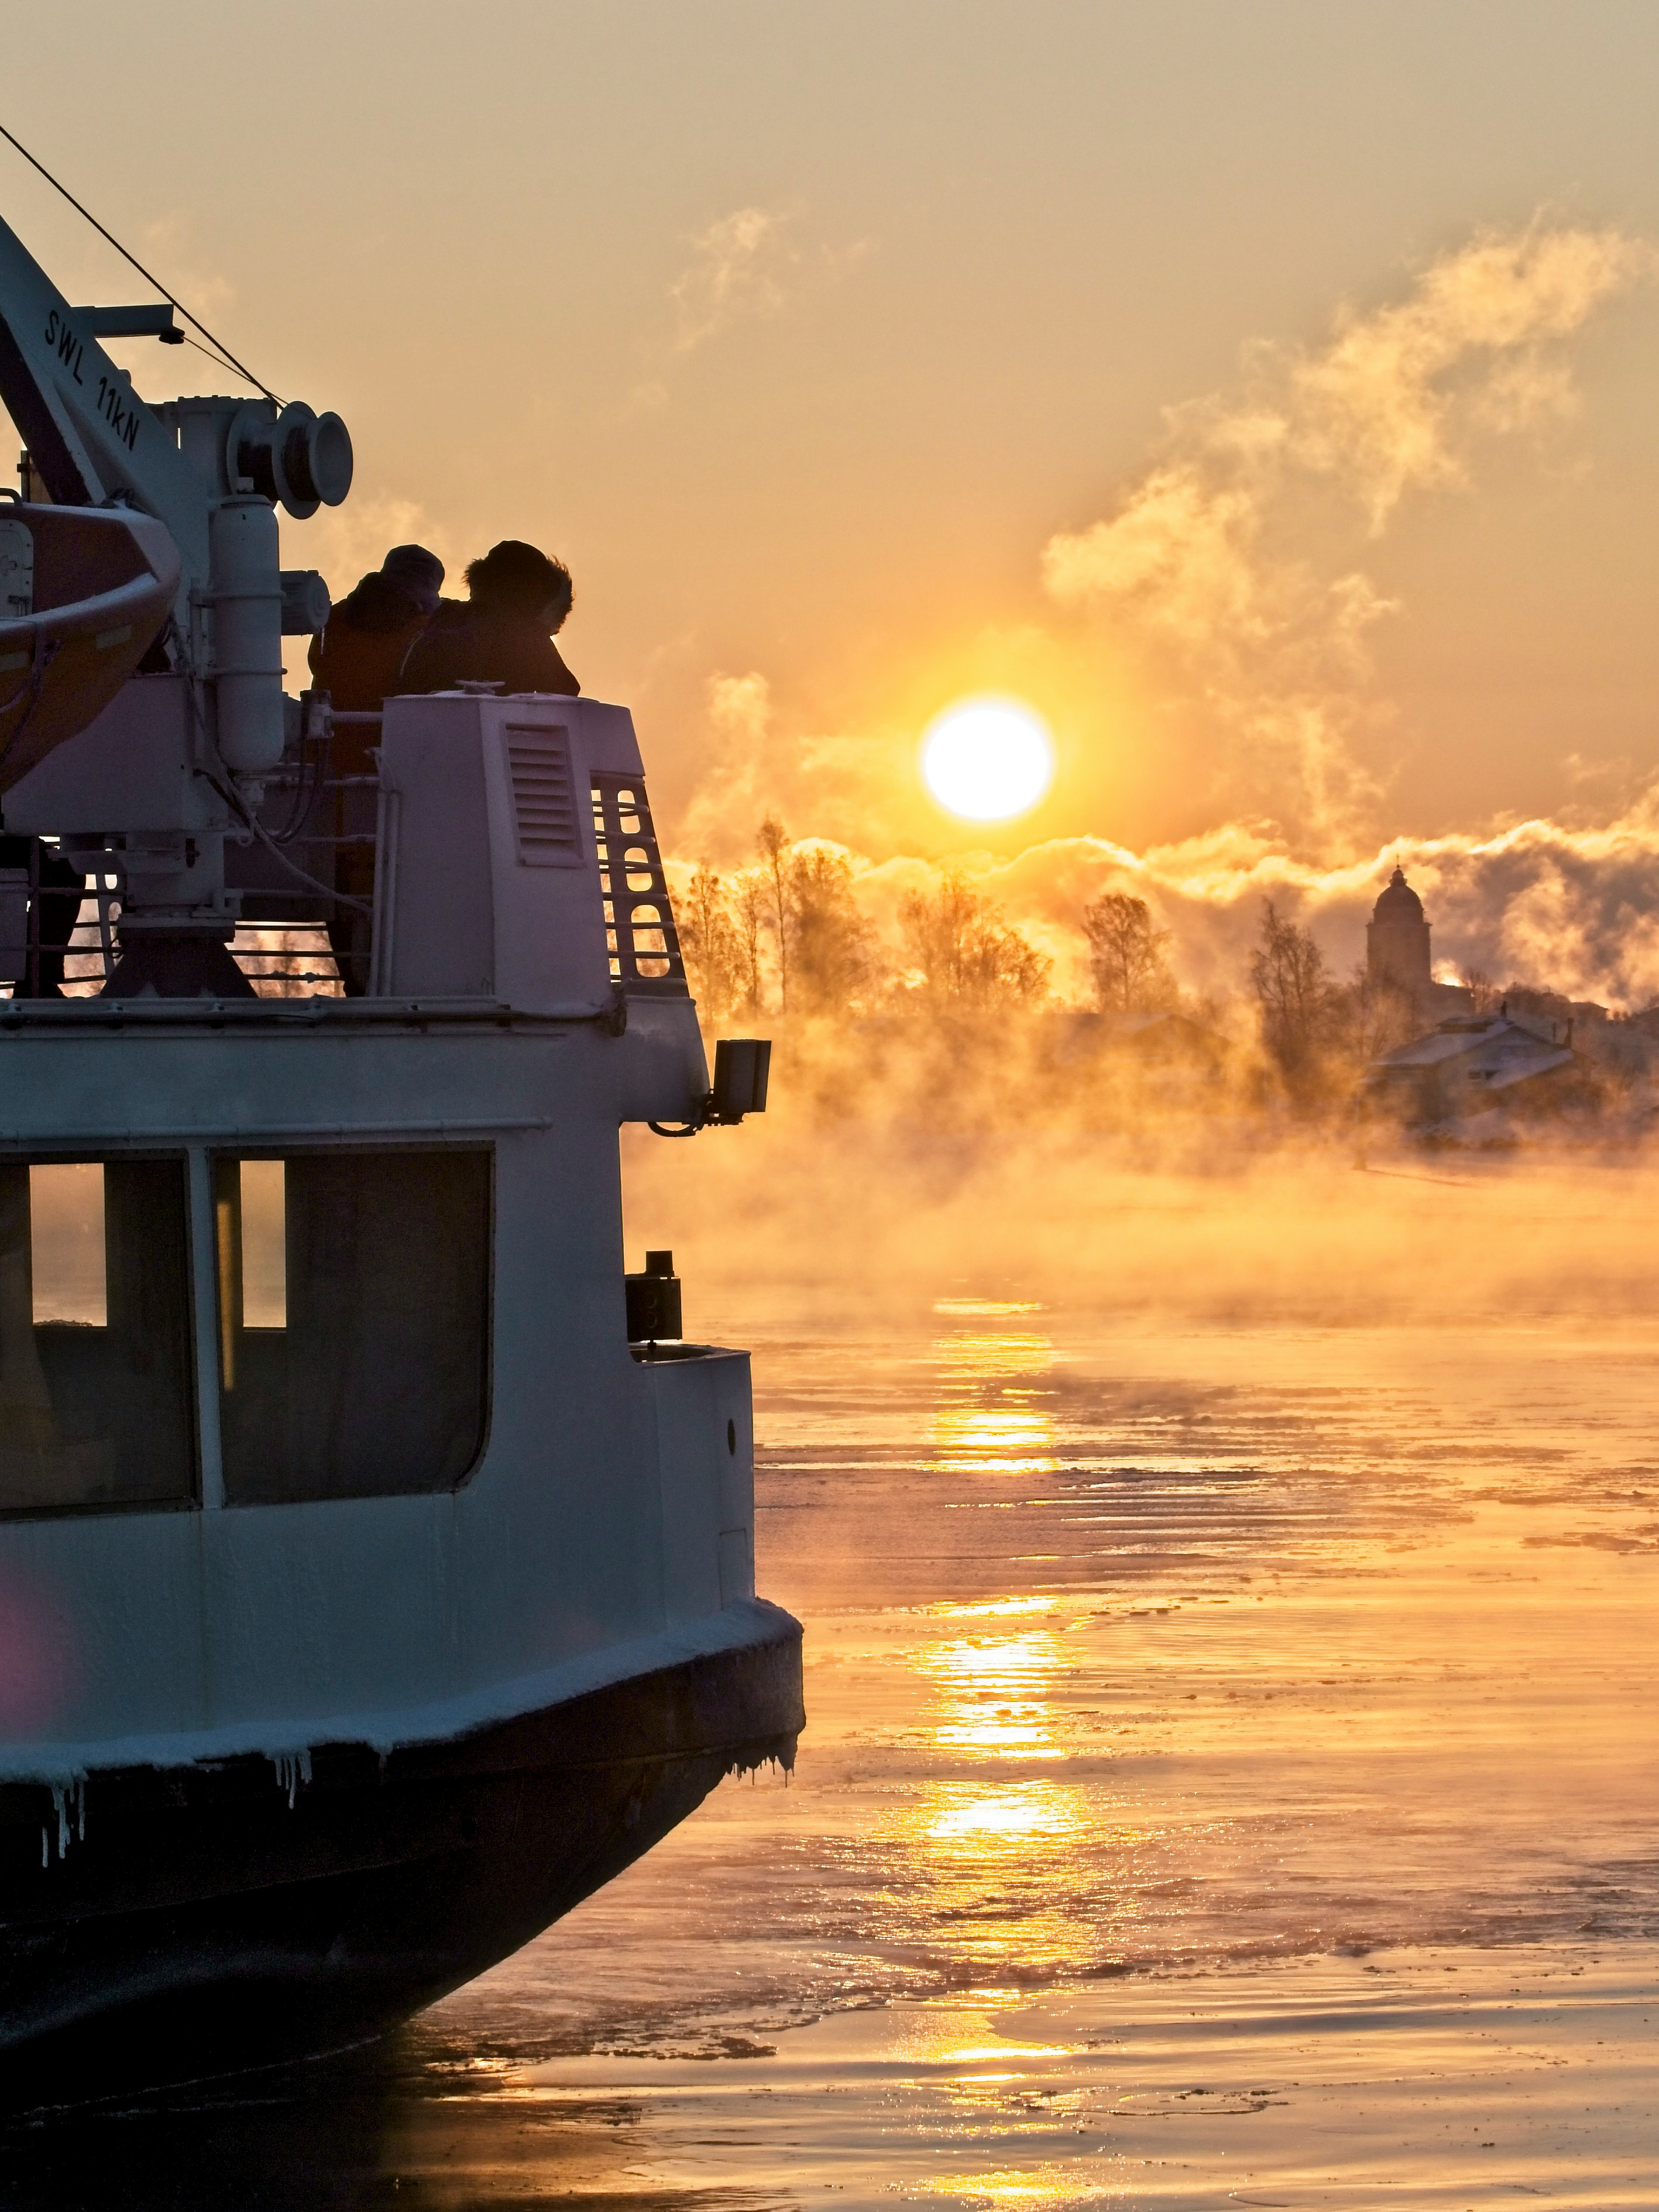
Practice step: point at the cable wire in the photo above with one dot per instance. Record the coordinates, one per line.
(229, 358)
(207, 353)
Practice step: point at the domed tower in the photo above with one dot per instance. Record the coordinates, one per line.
(1397, 941)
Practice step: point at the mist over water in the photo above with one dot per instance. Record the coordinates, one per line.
(1229, 1772)
(1156, 1218)
(1227, 1574)
(1229, 1760)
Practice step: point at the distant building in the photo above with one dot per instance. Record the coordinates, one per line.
(1397, 939)
(1472, 1065)
(1398, 958)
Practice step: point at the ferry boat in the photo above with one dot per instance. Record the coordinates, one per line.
(376, 1557)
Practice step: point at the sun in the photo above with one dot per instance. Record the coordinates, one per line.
(987, 759)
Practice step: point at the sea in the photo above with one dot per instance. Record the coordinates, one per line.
(1231, 1774)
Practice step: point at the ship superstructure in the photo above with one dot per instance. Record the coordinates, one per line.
(368, 1595)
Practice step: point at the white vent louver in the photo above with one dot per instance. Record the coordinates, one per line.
(544, 797)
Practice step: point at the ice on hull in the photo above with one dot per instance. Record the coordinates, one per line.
(196, 1921)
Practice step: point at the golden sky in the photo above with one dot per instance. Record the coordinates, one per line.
(1266, 392)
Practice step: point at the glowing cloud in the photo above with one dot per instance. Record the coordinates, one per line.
(1204, 557)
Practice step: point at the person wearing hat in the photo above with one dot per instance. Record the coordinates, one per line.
(356, 660)
(517, 597)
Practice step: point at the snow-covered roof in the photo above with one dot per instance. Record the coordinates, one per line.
(1519, 1070)
(1494, 1049)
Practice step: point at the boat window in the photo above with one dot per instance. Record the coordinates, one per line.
(67, 1281)
(353, 1321)
(95, 1399)
(264, 1246)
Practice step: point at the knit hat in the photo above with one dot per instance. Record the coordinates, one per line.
(417, 574)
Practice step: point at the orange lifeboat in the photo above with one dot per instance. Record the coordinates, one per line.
(84, 593)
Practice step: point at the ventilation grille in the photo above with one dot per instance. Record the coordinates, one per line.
(639, 930)
(544, 797)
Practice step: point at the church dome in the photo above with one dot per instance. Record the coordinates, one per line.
(1400, 902)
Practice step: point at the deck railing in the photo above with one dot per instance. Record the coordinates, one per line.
(285, 877)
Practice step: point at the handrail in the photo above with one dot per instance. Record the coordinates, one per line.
(255, 1013)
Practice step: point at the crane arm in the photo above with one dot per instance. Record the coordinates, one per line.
(91, 435)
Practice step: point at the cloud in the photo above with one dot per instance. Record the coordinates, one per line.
(1390, 404)
(1224, 559)
(1571, 910)
(740, 269)
(747, 267)
(732, 793)
(1182, 549)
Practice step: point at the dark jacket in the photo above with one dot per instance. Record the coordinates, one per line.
(473, 644)
(357, 657)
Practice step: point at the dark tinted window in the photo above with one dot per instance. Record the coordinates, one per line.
(376, 1380)
(95, 1401)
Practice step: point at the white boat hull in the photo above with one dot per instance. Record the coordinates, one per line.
(159, 1921)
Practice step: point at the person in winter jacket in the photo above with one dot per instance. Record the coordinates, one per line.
(517, 599)
(355, 660)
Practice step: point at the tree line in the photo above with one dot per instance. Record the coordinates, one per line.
(784, 934)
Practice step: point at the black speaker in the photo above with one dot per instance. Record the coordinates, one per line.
(741, 1068)
(654, 1301)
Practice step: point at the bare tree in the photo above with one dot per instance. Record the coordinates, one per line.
(712, 942)
(1128, 955)
(830, 940)
(957, 939)
(772, 843)
(1483, 993)
(750, 901)
(1379, 1014)
(1298, 1004)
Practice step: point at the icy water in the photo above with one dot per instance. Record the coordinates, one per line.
(1231, 1778)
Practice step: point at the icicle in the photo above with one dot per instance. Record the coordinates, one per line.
(66, 1795)
(292, 1767)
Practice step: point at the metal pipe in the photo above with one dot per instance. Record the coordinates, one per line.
(245, 596)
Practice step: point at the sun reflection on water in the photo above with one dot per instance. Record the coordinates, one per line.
(1057, 2187)
(1020, 1813)
(991, 1859)
(989, 1608)
(987, 1418)
(993, 1695)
